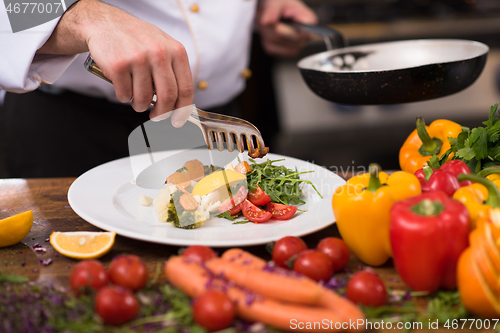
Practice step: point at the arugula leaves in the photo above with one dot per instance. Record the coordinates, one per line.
(283, 185)
(478, 147)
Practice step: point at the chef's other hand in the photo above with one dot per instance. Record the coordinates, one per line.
(131, 53)
(279, 39)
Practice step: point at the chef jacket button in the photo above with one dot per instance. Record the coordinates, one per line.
(195, 8)
(246, 73)
(202, 84)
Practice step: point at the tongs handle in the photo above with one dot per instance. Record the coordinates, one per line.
(334, 36)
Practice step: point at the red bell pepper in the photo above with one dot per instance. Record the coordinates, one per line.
(428, 233)
(444, 179)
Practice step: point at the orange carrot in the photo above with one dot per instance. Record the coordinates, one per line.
(179, 178)
(242, 257)
(276, 283)
(195, 169)
(194, 279)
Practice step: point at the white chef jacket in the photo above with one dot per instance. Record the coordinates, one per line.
(216, 35)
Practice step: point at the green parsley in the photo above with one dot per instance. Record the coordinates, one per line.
(479, 147)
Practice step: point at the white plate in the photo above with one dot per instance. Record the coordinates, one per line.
(107, 197)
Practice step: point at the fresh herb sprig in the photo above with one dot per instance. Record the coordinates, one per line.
(478, 147)
(283, 185)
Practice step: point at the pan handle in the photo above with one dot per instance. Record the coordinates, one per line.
(330, 35)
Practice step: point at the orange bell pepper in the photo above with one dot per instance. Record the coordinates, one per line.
(426, 141)
(479, 197)
(478, 272)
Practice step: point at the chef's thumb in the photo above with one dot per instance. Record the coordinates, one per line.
(181, 115)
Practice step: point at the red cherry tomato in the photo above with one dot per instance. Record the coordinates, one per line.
(285, 248)
(366, 288)
(314, 264)
(254, 213)
(115, 305)
(233, 205)
(259, 197)
(128, 271)
(214, 310)
(337, 250)
(280, 211)
(199, 253)
(88, 274)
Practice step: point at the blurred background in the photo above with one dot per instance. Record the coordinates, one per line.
(296, 122)
(300, 124)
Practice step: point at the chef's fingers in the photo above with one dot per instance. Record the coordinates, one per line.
(122, 80)
(166, 89)
(181, 115)
(142, 87)
(282, 50)
(285, 33)
(297, 11)
(271, 12)
(182, 72)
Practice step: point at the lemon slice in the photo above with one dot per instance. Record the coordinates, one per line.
(83, 244)
(13, 229)
(216, 180)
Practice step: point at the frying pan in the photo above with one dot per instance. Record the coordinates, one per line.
(392, 72)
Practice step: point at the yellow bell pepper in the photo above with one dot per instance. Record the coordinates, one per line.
(479, 197)
(362, 210)
(426, 141)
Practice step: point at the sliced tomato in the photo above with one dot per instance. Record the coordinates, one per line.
(233, 204)
(254, 213)
(280, 211)
(259, 197)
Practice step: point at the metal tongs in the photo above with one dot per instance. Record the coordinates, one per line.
(215, 127)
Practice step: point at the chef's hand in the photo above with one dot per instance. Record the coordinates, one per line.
(279, 39)
(131, 53)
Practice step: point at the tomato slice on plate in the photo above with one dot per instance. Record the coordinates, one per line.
(280, 211)
(233, 204)
(254, 213)
(259, 197)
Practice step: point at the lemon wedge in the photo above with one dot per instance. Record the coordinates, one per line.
(216, 180)
(13, 229)
(83, 244)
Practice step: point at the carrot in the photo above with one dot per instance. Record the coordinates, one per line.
(346, 309)
(194, 279)
(277, 283)
(283, 315)
(180, 179)
(245, 258)
(195, 169)
(188, 202)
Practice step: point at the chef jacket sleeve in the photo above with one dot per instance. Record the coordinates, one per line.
(21, 70)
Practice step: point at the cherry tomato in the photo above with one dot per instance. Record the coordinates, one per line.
(115, 305)
(128, 271)
(366, 288)
(285, 248)
(254, 213)
(280, 211)
(234, 204)
(214, 310)
(199, 253)
(259, 197)
(314, 264)
(337, 250)
(88, 274)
